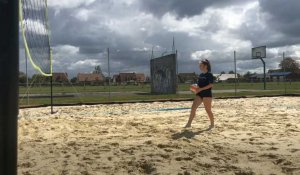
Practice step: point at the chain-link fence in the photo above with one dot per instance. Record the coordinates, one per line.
(118, 83)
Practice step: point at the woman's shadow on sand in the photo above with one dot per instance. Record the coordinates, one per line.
(188, 134)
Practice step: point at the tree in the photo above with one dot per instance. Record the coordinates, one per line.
(74, 80)
(38, 78)
(98, 70)
(231, 72)
(214, 78)
(289, 65)
(248, 75)
(22, 77)
(223, 72)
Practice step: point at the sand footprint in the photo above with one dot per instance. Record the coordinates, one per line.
(272, 148)
(293, 150)
(188, 158)
(270, 156)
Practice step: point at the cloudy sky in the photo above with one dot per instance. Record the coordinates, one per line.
(81, 30)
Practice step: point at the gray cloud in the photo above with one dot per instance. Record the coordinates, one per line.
(80, 34)
(183, 8)
(275, 23)
(283, 15)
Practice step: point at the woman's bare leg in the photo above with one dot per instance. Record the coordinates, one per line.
(196, 103)
(207, 104)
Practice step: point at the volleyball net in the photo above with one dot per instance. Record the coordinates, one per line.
(36, 35)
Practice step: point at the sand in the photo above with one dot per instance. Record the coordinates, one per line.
(252, 136)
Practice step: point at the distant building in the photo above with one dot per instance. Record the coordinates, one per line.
(129, 78)
(279, 76)
(90, 78)
(224, 77)
(116, 79)
(60, 77)
(148, 79)
(187, 77)
(260, 77)
(274, 70)
(140, 78)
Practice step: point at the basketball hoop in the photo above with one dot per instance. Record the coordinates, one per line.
(259, 52)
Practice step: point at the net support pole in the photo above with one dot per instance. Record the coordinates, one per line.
(26, 59)
(9, 76)
(264, 72)
(51, 92)
(51, 84)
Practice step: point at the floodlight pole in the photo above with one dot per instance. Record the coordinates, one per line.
(176, 53)
(264, 72)
(283, 56)
(108, 75)
(9, 75)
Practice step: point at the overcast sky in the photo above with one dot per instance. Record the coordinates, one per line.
(81, 30)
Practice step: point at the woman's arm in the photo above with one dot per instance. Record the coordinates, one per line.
(204, 88)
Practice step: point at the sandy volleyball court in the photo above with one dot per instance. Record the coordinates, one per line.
(252, 136)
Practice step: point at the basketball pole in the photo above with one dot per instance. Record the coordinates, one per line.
(9, 75)
(264, 72)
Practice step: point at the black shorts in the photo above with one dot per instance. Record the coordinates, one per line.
(205, 93)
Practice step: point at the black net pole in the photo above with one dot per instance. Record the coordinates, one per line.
(26, 58)
(9, 75)
(51, 96)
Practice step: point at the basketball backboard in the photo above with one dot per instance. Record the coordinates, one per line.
(259, 52)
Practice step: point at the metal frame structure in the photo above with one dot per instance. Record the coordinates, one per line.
(9, 75)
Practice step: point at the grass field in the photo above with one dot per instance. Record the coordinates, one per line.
(247, 90)
(146, 88)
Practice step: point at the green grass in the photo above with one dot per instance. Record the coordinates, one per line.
(81, 89)
(146, 88)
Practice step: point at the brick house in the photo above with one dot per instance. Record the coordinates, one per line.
(89, 78)
(129, 77)
(60, 77)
